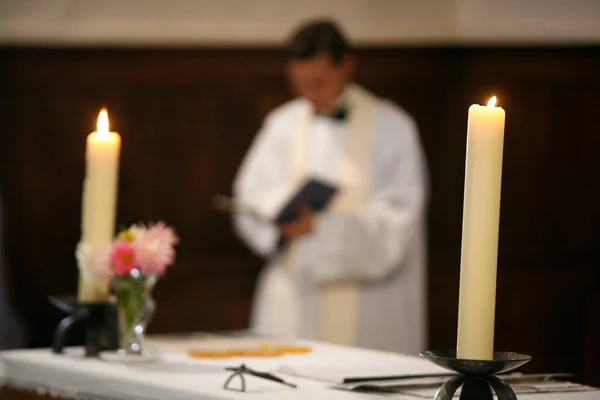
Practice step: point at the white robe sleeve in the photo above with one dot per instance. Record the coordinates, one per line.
(257, 188)
(371, 243)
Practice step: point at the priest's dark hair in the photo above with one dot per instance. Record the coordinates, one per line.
(315, 37)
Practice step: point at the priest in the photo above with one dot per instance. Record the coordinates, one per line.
(355, 273)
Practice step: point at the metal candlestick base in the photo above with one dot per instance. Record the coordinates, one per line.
(100, 319)
(477, 377)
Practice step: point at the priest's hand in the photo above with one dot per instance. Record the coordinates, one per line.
(302, 225)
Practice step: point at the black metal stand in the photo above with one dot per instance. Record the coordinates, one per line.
(477, 377)
(100, 319)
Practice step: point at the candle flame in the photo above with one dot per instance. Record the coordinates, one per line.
(102, 127)
(492, 102)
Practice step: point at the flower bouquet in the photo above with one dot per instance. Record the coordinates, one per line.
(134, 261)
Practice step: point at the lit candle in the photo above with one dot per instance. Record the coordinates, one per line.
(481, 217)
(99, 200)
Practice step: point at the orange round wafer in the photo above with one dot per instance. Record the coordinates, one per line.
(296, 350)
(288, 349)
(256, 352)
(210, 353)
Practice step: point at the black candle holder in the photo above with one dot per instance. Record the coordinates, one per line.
(100, 323)
(477, 377)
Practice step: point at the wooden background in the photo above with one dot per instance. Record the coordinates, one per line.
(187, 116)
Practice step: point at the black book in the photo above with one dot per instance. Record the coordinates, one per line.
(314, 194)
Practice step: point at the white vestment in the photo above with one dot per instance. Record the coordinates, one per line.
(360, 278)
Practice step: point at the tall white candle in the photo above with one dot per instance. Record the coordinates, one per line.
(99, 200)
(481, 216)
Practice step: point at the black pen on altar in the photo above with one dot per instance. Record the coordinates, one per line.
(515, 376)
(358, 379)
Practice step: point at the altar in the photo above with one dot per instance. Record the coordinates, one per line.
(191, 367)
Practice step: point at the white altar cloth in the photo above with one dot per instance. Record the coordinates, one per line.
(177, 376)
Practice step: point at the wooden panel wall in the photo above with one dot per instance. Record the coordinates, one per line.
(188, 116)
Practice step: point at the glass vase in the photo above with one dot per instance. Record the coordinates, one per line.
(135, 306)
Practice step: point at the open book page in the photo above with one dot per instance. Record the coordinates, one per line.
(338, 363)
(335, 372)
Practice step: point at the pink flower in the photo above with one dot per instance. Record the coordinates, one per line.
(123, 257)
(100, 263)
(154, 247)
